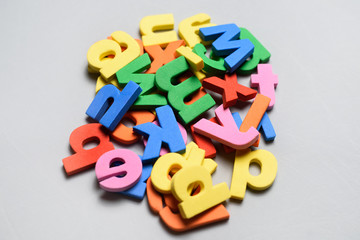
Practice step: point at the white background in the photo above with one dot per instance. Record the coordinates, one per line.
(45, 91)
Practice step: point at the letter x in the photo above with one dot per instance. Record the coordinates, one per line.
(230, 89)
(161, 57)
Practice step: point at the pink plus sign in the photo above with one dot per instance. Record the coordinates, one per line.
(266, 82)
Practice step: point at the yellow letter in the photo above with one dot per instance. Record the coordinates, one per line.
(173, 162)
(196, 156)
(162, 167)
(210, 165)
(150, 24)
(189, 28)
(196, 63)
(241, 176)
(99, 50)
(209, 195)
(100, 82)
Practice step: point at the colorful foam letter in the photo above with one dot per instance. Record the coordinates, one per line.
(196, 63)
(189, 28)
(213, 66)
(173, 162)
(133, 72)
(98, 51)
(260, 54)
(141, 45)
(241, 176)
(161, 22)
(238, 122)
(199, 74)
(174, 220)
(83, 159)
(164, 150)
(107, 113)
(266, 81)
(168, 133)
(123, 48)
(171, 202)
(161, 57)
(177, 93)
(227, 132)
(112, 179)
(162, 167)
(138, 191)
(100, 82)
(124, 134)
(195, 156)
(255, 114)
(204, 142)
(195, 96)
(176, 223)
(97, 54)
(227, 43)
(230, 89)
(267, 128)
(208, 197)
(237, 119)
(154, 198)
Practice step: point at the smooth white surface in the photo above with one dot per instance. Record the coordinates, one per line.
(46, 90)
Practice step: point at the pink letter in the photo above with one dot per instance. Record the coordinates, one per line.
(266, 81)
(122, 177)
(227, 132)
